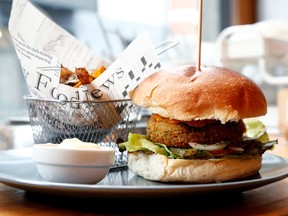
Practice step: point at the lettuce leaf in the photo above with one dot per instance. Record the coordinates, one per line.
(139, 142)
(255, 130)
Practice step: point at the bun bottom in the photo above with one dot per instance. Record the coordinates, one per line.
(160, 168)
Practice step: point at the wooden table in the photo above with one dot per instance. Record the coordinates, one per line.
(271, 199)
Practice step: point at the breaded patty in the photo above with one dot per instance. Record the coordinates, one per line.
(178, 134)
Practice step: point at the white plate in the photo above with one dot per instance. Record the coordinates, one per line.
(18, 170)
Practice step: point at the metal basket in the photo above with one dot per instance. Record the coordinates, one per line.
(102, 122)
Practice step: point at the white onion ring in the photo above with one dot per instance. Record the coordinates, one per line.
(236, 148)
(208, 147)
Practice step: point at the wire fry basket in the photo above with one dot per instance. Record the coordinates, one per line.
(101, 122)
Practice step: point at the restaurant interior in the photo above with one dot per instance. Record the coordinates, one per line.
(260, 52)
(247, 36)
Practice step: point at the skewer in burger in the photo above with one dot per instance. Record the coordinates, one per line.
(199, 130)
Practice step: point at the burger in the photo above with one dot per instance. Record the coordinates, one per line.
(203, 126)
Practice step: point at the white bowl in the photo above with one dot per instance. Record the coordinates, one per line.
(73, 165)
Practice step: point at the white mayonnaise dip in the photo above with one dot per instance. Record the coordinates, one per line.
(75, 143)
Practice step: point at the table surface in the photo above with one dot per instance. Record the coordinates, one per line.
(271, 199)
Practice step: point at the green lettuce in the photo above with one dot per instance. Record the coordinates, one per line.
(255, 130)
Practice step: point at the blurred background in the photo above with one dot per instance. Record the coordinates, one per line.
(250, 36)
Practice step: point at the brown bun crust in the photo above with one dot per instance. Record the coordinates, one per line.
(185, 94)
(160, 168)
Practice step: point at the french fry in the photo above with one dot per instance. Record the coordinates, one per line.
(98, 72)
(77, 85)
(84, 76)
(65, 73)
(80, 76)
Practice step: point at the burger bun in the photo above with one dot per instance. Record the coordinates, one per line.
(158, 167)
(185, 94)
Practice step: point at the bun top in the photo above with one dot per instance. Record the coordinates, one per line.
(185, 94)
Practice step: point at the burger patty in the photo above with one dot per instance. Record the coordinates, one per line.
(178, 134)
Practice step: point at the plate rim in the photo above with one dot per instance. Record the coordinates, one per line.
(130, 191)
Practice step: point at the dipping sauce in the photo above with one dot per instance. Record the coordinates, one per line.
(73, 161)
(75, 143)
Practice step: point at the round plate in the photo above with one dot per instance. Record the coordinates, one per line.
(17, 169)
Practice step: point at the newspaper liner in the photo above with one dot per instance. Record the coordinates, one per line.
(42, 46)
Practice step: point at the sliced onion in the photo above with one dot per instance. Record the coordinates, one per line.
(233, 148)
(208, 147)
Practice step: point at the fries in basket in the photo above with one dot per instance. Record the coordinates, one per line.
(80, 76)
